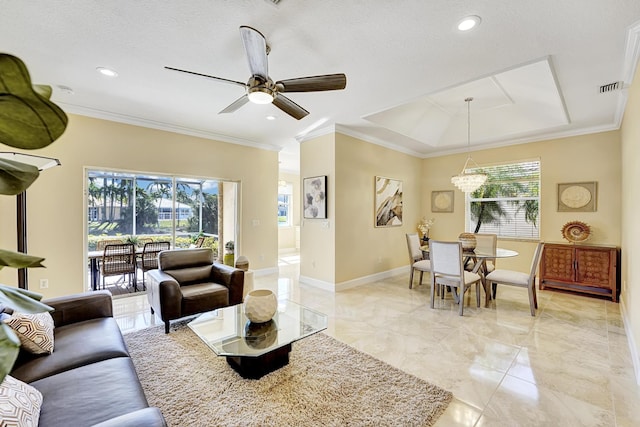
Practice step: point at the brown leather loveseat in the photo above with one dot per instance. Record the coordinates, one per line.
(89, 379)
(188, 282)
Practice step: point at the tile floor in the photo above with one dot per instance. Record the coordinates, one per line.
(568, 366)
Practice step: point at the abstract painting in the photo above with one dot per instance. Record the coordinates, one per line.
(314, 191)
(388, 202)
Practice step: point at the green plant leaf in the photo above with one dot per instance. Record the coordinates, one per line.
(28, 120)
(19, 260)
(22, 300)
(15, 177)
(9, 348)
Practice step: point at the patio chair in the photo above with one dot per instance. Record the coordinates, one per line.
(199, 242)
(101, 244)
(119, 260)
(149, 258)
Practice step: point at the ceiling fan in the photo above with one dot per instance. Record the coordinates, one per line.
(260, 89)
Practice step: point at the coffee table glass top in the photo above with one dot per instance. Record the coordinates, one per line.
(228, 332)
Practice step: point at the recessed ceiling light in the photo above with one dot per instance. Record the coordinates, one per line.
(469, 22)
(107, 72)
(271, 117)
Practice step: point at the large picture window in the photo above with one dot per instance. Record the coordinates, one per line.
(144, 207)
(508, 203)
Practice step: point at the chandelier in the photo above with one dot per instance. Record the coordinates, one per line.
(468, 182)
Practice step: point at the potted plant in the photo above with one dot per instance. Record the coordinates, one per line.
(229, 256)
(424, 226)
(28, 120)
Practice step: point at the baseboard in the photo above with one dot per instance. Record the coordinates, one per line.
(265, 271)
(370, 278)
(288, 250)
(321, 284)
(337, 287)
(633, 348)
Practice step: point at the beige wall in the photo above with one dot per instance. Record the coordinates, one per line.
(630, 299)
(361, 248)
(287, 235)
(317, 236)
(594, 157)
(55, 201)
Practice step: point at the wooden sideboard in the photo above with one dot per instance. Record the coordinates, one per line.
(580, 268)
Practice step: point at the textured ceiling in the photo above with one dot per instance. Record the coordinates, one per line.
(533, 68)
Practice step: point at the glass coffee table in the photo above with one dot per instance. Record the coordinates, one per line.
(255, 349)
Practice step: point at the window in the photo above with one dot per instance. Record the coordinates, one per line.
(508, 203)
(159, 207)
(285, 191)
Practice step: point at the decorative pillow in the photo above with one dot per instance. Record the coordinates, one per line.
(34, 330)
(20, 403)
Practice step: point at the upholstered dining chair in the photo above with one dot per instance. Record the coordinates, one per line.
(119, 260)
(149, 258)
(485, 243)
(416, 260)
(520, 279)
(447, 270)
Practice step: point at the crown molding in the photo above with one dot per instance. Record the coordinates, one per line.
(376, 141)
(152, 124)
(632, 53)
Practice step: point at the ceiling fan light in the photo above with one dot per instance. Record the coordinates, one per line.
(261, 96)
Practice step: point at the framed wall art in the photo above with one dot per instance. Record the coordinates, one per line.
(314, 195)
(442, 201)
(577, 196)
(388, 202)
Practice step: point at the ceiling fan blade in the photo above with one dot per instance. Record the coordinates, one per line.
(289, 107)
(256, 47)
(313, 83)
(235, 104)
(207, 76)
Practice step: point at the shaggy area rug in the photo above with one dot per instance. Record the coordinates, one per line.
(326, 383)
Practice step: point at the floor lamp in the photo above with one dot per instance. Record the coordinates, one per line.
(42, 163)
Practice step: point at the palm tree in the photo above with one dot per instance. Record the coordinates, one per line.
(505, 183)
(162, 191)
(489, 212)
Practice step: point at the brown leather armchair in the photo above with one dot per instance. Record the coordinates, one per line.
(187, 282)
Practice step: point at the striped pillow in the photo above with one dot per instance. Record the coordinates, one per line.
(34, 330)
(20, 403)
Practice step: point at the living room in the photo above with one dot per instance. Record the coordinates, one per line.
(345, 250)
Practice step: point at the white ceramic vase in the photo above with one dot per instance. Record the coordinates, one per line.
(260, 305)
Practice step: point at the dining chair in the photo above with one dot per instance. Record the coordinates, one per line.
(149, 258)
(447, 270)
(485, 243)
(416, 258)
(118, 260)
(520, 279)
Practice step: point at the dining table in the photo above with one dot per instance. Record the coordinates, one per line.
(479, 259)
